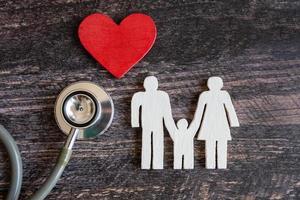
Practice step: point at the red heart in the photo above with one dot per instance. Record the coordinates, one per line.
(117, 47)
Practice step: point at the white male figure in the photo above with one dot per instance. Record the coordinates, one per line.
(155, 112)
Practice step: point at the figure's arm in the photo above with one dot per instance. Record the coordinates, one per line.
(233, 120)
(168, 118)
(195, 124)
(136, 103)
(172, 135)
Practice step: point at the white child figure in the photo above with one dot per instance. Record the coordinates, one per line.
(183, 139)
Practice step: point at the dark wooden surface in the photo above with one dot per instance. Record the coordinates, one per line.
(253, 45)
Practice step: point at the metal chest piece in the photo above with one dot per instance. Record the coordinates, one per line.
(84, 106)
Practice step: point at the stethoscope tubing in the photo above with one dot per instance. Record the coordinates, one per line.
(15, 163)
(61, 163)
(17, 171)
(97, 126)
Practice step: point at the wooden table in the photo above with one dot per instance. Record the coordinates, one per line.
(254, 46)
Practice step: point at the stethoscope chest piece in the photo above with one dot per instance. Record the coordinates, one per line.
(84, 106)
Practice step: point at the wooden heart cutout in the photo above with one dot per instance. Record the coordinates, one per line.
(117, 47)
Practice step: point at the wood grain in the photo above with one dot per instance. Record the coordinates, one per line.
(253, 45)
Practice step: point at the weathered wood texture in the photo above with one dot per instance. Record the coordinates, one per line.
(253, 45)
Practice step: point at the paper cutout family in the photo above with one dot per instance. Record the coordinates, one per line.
(214, 115)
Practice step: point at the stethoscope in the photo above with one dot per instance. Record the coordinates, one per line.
(82, 110)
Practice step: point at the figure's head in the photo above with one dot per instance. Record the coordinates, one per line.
(150, 83)
(215, 83)
(182, 124)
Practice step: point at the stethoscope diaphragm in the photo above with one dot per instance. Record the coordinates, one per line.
(84, 106)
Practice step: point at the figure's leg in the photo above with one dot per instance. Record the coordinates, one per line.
(178, 161)
(210, 154)
(188, 160)
(146, 149)
(222, 154)
(158, 150)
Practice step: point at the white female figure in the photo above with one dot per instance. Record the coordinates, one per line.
(219, 115)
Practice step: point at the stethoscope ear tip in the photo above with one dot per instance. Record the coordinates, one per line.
(84, 106)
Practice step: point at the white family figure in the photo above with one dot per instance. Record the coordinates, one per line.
(214, 115)
(219, 115)
(155, 112)
(183, 138)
